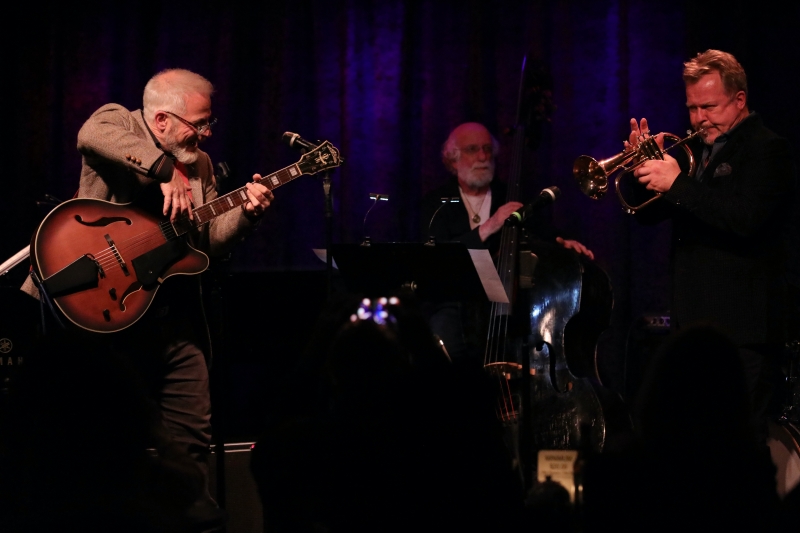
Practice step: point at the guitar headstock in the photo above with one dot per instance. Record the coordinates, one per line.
(321, 158)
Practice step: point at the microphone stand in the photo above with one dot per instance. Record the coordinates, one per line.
(15, 260)
(217, 276)
(377, 197)
(295, 141)
(326, 189)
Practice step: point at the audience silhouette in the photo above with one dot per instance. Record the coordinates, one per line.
(77, 448)
(387, 435)
(408, 442)
(698, 465)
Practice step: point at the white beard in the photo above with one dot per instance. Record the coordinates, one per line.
(478, 178)
(180, 151)
(184, 156)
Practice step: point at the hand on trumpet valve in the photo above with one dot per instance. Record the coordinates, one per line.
(639, 132)
(657, 174)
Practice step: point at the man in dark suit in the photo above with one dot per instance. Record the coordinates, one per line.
(729, 221)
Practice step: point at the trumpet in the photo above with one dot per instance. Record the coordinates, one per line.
(592, 175)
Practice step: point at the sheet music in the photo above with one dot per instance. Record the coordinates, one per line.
(482, 260)
(322, 255)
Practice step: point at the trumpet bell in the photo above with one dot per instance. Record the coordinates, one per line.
(591, 177)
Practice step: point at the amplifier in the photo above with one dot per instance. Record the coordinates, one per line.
(646, 334)
(240, 499)
(19, 330)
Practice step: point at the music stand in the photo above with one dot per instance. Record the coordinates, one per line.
(436, 273)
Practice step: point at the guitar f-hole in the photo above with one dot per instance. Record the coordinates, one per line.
(133, 287)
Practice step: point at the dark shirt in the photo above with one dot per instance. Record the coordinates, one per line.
(710, 151)
(451, 223)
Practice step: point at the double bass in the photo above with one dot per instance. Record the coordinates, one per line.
(541, 346)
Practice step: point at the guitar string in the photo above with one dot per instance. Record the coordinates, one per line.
(107, 258)
(108, 254)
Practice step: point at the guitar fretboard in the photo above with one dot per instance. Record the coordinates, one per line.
(323, 157)
(226, 202)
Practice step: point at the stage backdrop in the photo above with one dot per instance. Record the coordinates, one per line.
(385, 82)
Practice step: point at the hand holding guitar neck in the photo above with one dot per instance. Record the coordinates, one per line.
(102, 262)
(259, 197)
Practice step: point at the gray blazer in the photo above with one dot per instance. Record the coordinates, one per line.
(118, 151)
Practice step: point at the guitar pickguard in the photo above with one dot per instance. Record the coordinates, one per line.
(97, 262)
(150, 266)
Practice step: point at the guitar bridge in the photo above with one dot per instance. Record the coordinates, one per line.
(117, 255)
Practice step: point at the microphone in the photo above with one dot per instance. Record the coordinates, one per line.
(295, 141)
(546, 197)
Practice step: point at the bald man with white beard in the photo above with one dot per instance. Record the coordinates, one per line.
(469, 154)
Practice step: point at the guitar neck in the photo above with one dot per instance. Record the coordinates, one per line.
(222, 204)
(323, 157)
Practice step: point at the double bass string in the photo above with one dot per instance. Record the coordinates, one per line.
(498, 331)
(495, 356)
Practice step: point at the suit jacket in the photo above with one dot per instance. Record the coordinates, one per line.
(118, 152)
(728, 255)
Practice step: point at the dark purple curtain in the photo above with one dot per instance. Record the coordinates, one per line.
(385, 82)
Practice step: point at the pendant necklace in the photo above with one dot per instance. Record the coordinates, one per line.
(476, 217)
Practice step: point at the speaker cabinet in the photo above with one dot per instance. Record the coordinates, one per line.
(240, 498)
(645, 336)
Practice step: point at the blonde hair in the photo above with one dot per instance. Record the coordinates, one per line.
(730, 71)
(167, 91)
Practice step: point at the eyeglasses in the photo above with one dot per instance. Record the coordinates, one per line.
(472, 149)
(201, 126)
